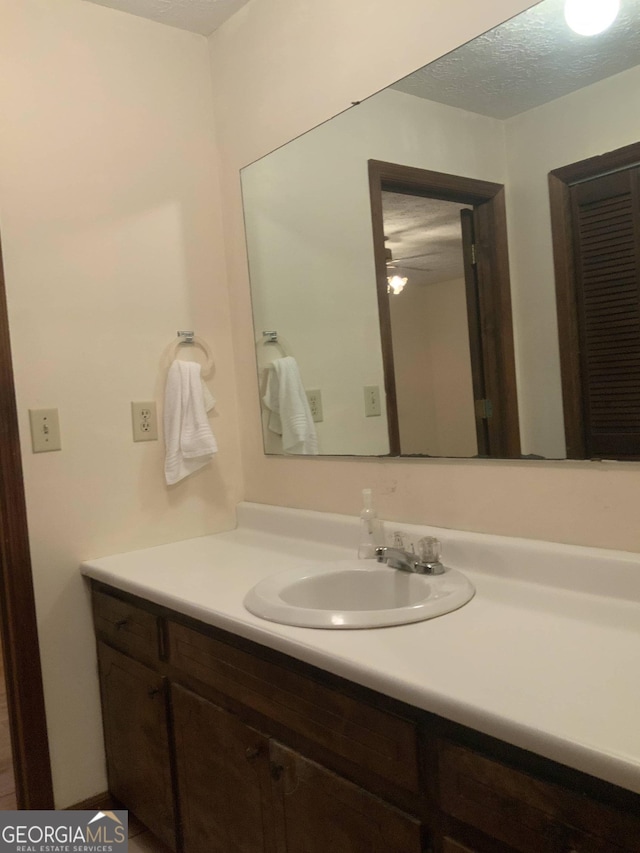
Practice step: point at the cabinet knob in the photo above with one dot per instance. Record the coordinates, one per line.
(276, 771)
(121, 623)
(251, 753)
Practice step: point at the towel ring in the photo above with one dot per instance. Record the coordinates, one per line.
(273, 338)
(191, 339)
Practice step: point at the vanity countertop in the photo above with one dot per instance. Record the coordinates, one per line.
(551, 666)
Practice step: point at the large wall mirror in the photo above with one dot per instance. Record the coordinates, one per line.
(403, 256)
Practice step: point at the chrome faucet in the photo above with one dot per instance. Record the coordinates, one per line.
(425, 562)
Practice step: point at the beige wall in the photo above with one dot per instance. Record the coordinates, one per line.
(109, 214)
(280, 67)
(432, 365)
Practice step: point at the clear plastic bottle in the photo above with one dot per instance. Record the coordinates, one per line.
(370, 528)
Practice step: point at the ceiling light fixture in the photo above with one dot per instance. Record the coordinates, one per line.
(590, 17)
(395, 284)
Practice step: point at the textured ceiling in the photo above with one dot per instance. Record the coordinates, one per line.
(425, 237)
(198, 16)
(530, 60)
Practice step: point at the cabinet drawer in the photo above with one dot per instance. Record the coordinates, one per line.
(529, 814)
(376, 740)
(126, 626)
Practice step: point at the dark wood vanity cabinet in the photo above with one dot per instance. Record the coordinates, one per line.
(134, 713)
(222, 746)
(223, 778)
(246, 751)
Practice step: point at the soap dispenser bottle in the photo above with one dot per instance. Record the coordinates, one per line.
(370, 528)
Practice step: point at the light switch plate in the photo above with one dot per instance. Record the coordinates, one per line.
(372, 407)
(45, 430)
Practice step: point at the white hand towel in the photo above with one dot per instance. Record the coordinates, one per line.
(290, 415)
(189, 442)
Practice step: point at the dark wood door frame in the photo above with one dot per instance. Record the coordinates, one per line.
(18, 628)
(487, 199)
(560, 182)
(474, 321)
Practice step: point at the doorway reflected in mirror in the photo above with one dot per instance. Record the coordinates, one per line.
(447, 346)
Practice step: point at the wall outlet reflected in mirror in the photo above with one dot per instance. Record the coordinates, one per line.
(315, 404)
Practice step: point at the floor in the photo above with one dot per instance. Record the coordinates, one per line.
(7, 785)
(141, 840)
(146, 843)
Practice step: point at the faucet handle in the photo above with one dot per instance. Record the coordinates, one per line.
(429, 549)
(398, 539)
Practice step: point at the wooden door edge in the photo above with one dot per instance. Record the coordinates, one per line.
(18, 626)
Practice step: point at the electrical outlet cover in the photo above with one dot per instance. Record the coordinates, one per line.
(315, 404)
(144, 421)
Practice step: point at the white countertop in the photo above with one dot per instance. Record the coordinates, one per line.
(553, 666)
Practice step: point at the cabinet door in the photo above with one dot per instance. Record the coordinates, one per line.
(318, 811)
(224, 785)
(134, 710)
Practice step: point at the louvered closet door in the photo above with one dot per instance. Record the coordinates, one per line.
(606, 225)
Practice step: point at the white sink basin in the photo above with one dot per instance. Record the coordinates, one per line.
(356, 594)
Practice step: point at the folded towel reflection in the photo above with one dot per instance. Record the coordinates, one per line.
(289, 412)
(189, 442)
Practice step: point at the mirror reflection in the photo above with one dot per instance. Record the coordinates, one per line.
(429, 325)
(527, 99)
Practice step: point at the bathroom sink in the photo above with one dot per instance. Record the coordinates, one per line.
(356, 594)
